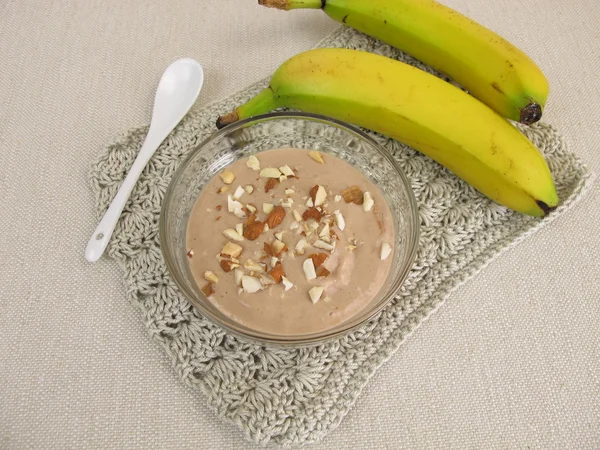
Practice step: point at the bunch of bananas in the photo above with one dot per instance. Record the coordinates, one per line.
(468, 134)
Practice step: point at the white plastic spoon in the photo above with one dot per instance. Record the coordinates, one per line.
(177, 91)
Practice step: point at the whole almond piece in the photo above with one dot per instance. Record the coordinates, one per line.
(254, 230)
(276, 217)
(270, 184)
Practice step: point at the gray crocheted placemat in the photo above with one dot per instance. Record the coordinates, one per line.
(298, 396)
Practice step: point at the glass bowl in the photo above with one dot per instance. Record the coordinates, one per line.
(297, 130)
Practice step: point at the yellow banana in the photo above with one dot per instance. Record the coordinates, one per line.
(489, 67)
(418, 109)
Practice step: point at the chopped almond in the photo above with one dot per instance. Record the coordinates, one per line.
(318, 258)
(208, 289)
(190, 254)
(249, 189)
(309, 269)
(210, 276)
(322, 272)
(232, 234)
(228, 265)
(278, 247)
(223, 189)
(277, 272)
(253, 230)
(270, 184)
(312, 213)
(313, 192)
(276, 217)
(251, 284)
(268, 249)
(270, 172)
(232, 250)
(287, 171)
(320, 196)
(353, 195)
(386, 249)
(250, 220)
(227, 176)
(315, 293)
(316, 156)
(368, 201)
(253, 163)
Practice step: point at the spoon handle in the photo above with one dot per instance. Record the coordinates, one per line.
(99, 240)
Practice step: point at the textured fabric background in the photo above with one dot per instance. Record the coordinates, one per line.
(511, 360)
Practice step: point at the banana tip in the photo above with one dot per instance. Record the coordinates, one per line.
(531, 113)
(545, 207)
(226, 119)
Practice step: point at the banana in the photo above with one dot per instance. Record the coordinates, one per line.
(490, 68)
(416, 108)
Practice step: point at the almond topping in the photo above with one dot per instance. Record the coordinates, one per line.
(278, 247)
(318, 258)
(190, 254)
(282, 178)
(313, 191)
(253, 163)
(339, 220)
(208, 289)
(289, 192)
(223, 189)
(239, 191)
(276, 217)
(323, 245)
(233, 204)
(386, 249)
(237, 275)
(268, 249)
(249, 189)
(368, 201)
(309, 269)
(251, 284)
(227, 176)
(232, 250)
(353, 195)
(233, 235)
(274, 261)
(310, 203)
(253, 230)
(315, 293)
(279, 235)
(228, 265)
(277, 272)
(312, 213)
(287, 284)
(287, 171)
(297, 216)
(320, 196)
(249, 221)
(294, 225)
(270, 184)
(251, 208)
(239, 228)
(324, 233)
(253, 266)
(322, 272)
(316, 156)
(300, 246)
(210, 276)
(270, 172)
(337, 198)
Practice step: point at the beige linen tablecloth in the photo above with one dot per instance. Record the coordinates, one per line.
(510, 361)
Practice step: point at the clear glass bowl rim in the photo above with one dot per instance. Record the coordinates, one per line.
(318, 338)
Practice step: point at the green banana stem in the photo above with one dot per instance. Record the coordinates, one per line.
(292, 4)
(261, 103)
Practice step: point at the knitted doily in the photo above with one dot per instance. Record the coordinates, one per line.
(297, 396)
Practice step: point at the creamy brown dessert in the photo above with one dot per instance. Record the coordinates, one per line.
(290, 241)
